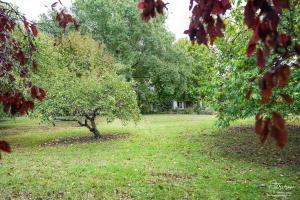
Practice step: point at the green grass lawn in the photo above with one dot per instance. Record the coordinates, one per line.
(162, 157)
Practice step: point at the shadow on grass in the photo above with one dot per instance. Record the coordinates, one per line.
(240, 142)
(16, 129)
(85, 139)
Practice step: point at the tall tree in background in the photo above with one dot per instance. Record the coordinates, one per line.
(147, 50)
(200, 89)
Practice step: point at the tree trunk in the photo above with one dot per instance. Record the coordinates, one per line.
(94, 129)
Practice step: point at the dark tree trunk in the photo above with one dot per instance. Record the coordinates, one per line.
(92, 126)
(94, 129)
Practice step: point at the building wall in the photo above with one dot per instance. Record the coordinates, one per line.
(172, 105)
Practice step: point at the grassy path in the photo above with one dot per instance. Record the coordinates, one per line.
(162, 157)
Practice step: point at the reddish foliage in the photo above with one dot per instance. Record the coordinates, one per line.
(281, 3)
(282, 75)
(150, 8)
(63, 17)
(275, 127)
(278, 129)
(263, 17)
(34, 65)
(262, 128)
(34, 30)
(26, 23)
(17, 55)
(249, 14)
(278, 120)
(266, 86)
(277, 77)
(280, 136)
(251, 48)
(297, 48)
(21, 57)
(249, 93)
(4, 146)
(14, 102)
(37, 93)
(259, 124)
(287, 98)
(12, 51)
(206, 20)
(260, 58)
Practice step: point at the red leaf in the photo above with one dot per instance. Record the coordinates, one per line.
(297, 48)
(30, 105)
(267, 51)
(34, 30)
(4, 146)
(285, 40)
(220, 24)
(281, 3)
(41, 94)
(58, 17)
(278, 121)
(148, 9)
(217, 9)
(226, 4)
(249, 14)
(32, 49)
(8, 67)
(266, 86)
(34, 92)
(260, 58)
(160, 6)
(287, 98)
(141, 5)
(6, 108)
(21, 57)
(280, 136)
(264, 30)
(201, 35)
(258, 124)
(34, 65)
(266, 129)
(282, 74)
(251, 48)
(26, 23)
(248, 94)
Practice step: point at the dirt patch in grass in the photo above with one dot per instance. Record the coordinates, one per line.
(85, 139)
(158, 176)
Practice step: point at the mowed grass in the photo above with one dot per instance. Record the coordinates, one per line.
(161, 157)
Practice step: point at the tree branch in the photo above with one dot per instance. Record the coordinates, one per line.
(84, 124)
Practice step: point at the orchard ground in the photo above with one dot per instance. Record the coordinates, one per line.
(161, 157)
